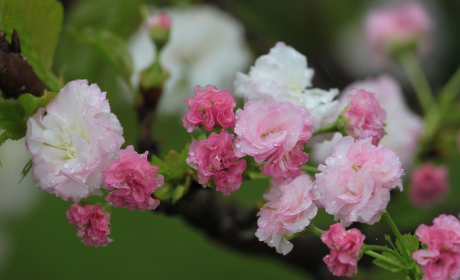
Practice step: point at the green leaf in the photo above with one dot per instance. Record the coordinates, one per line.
(387, 266)
(156, 161)
(38, 24)
(31, 103)
(25, 170)
(163, 193)
(411, 242)
(12, 120)
(111, 47)
(178, 192)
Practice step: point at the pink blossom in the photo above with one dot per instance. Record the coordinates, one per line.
(289, 210)
(441, 258)
(134, 181)
(405, 25)
(72, 141)
(91, 222)
(161, 20)
(355, 183)
(208, 107)
(364, 116)
(344, 249)
(276, 132)
(214, 159)
(428, 184)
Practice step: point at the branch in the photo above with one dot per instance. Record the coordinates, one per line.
(233, 226)
(16, 75)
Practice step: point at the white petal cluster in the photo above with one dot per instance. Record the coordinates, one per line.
(206, 46)
(73, 140)
(284, 75)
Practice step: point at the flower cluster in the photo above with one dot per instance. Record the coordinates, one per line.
(208, 108)
(289, 209)
(283, 74)
(72, 141)
(428, 184)
(355, 183)
(344, 249)
(276, 132)
(364, 116)
(214, 159)
(133, 179)
(440, 260)
(91, 222)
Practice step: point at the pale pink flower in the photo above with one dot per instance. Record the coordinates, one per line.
(364, 116)
(289, 210)
(214, 159)
(133, 179)
(405, 25)
(73, 140)
(276, 132)
(344, 249)
(91, 222)
(209, 107)
(441, 258)
(428, 184)
(160, 20)
(283, 74)
(355, 183)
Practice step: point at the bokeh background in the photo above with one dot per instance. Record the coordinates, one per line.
(36, 240)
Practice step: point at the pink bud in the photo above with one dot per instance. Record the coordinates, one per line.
(161, 20)
(364, 116)
(398, 26)
(428, 184)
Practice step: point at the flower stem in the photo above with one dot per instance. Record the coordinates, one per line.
(450, 90)
(418, 80)
(383, 258)
(310, 169)
(384, 249)
(395, 230)
(310, 229)
(326, 129)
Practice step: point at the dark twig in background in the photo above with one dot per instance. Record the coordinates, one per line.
(16, 75)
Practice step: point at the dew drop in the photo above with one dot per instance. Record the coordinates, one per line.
(12, 170)
(237, 145)
(66, 165)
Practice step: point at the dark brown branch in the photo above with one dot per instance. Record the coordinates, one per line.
(232, 225)
(16, 75)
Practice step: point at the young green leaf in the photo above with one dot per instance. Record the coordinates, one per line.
(411, 242)
(388, 266)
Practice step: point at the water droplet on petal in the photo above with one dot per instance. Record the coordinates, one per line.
(66, 165)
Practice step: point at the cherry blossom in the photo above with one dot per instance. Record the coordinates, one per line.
(133, 180)
(355, 183)
(214, 159)
(276, 132)
(344, 249)
(91, 222)
(289, 209)
(72, 141)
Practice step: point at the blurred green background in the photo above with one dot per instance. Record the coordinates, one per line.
(42, 245)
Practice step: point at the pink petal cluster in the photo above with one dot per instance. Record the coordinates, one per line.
(428, 184)
(133, 179)
(209, 107)
(355, 183)
(344, 249)
(289, 209)
(399, 26)
(161, 20)
(364, 116)
(92, 224)
(73, 141)
(275, 132)
(214, 159)
(441, 258)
